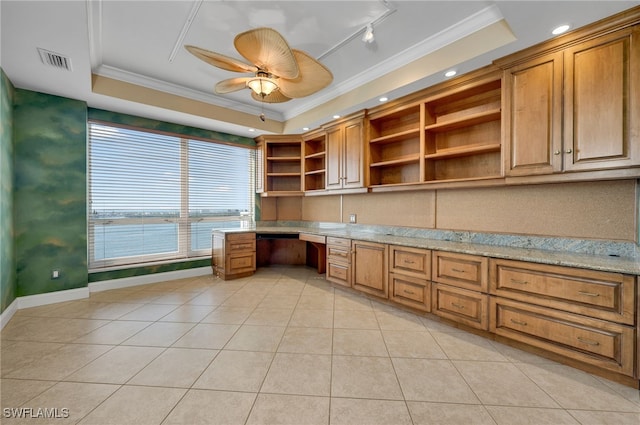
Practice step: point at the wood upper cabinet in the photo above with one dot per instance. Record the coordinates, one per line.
(344, 154)
(601, 122)
(574, 109)
(533, 116)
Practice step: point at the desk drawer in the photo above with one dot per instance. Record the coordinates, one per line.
(346, 243)
(339, 253)
(410, 291)
(608, 296)
(241, 246)
(460, 305)
(410, 261)
(460, 270)
(312, 238)
(339, 273)
(601, 343)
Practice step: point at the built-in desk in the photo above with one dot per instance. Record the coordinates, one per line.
(291, 248)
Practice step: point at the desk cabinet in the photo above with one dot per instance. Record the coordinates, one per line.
(233, 255)
(339, 261)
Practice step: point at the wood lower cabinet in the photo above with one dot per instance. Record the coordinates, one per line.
(409, 274)
(339, 261)
(601, 343)
(370, 268)
(602, 295)
(460, 286)
(233, 255)
(584, 315)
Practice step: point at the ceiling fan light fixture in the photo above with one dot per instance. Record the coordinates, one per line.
(262, 85)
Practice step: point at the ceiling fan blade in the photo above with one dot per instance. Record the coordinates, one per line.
(231, 85)
(313, 77)
(268, 50)
(220, 60)
(273, 97)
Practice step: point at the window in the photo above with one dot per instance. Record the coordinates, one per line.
(156, 197)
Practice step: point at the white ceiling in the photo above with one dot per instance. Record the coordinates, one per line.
(141, 43)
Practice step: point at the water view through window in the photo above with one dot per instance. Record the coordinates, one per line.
(156, 196)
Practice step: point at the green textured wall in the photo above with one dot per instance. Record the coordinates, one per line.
(141, 271)
(50, 192)
(7, 254)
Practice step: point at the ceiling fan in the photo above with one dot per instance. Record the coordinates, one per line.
(279, 72)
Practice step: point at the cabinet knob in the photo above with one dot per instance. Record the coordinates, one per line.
(569, 151)
(556, 153)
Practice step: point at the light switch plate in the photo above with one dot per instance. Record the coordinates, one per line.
(352, 218)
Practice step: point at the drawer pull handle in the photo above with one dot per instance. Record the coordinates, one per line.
(458, 270)
(459, 306)
(408, 261)
(519, 282)
(408, 292)
(519, 322)
(588, 341)
(588, 294)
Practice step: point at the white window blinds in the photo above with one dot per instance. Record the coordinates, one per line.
(156, 197)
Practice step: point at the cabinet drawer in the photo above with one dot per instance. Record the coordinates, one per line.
(339, 253)
(241, 246)
(240, 263)
(608, 296)
(312, 238)
(604, 344)
(461, 270)
(410, 291)
(236, 237)
(339, 273)
(339, 242)
(460, 305)
(410, 261)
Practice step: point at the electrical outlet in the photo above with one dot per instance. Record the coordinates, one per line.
(55, 274)
(352, 218)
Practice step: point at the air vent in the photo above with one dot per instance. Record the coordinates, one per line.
(54, 59)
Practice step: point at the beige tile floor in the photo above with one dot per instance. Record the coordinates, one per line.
(281, 347)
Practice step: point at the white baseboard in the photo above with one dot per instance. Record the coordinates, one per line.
(41, 299)
(8, 313)
(126, 282)
(52, 297)
(80, 293)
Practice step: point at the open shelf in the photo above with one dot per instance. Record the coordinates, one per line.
(315, 157)
(464, 151)
(468, 121)
(397, 137)
(398, 161)
(453, 134)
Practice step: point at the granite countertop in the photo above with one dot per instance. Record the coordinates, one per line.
(628, 264)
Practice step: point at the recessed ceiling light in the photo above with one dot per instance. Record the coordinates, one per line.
(335, 117)
(383, 99)
(450, 73)
(305, 128)
(560, 29)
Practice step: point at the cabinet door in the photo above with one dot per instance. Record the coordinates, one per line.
(601, 102)
(370, 268)
(353, 146)
(334, 158)
(533, 116)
